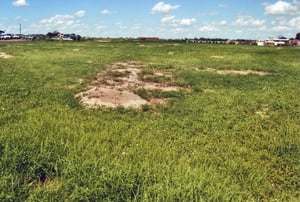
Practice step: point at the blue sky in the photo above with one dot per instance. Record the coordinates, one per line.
(255, 19)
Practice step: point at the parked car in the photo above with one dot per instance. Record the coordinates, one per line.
(16, 36)
(29, 37)
(5, 37)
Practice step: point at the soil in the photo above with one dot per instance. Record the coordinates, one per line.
(116, 86)
(217, 57)
(237, 72)
(5, 56)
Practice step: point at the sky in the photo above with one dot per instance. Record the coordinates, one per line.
(232, 19)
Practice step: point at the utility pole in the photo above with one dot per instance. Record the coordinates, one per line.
(20, 29)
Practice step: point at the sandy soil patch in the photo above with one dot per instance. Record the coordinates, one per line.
(118, 86)
(217, 57)
(5, 56)
(263, 112)
(104, 41)
(111, 97)
(237, 72)
(207, 90)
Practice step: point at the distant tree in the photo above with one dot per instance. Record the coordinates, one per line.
(1, 32)
(298, 36)
(281, 37)
(53, 34)
(75, 37)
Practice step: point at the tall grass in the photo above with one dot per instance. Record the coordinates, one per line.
(239, 142)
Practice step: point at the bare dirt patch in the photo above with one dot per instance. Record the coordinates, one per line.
(5, 56)
(129, 85)
(104, 41)
(237, 72)
(263, 112)
(207, 90)
(217, 57)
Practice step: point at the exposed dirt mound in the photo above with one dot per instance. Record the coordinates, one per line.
(5, 56)
(237, 72)
(127, 84)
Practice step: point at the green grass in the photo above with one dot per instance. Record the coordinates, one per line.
(213, 146)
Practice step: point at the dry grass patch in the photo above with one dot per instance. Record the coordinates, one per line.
(129, 85)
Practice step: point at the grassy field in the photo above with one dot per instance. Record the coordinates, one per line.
(231, 138)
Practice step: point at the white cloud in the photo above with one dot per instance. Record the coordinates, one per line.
(120, 25)
(209, 28)
(99, 26)
(172, 21)
(21, 19)
(282, 8)
(168, 19)
(20, 3)
(80, 13)
(223, 22)
(136, 26)
(187, 21)
(273, 22)
(285, 26)
(263, 28)
(216, 28)
(249, 21)
(281, 28)
(212, 13)
(57, 20)
(106, 12)
(292, 23)
(295, 22)
(63, 23)
(163, 8)
(239, 31)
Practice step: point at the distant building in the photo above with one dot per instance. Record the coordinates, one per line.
(281, 42)
(260, 43)
(275, 42)
(294, 42)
